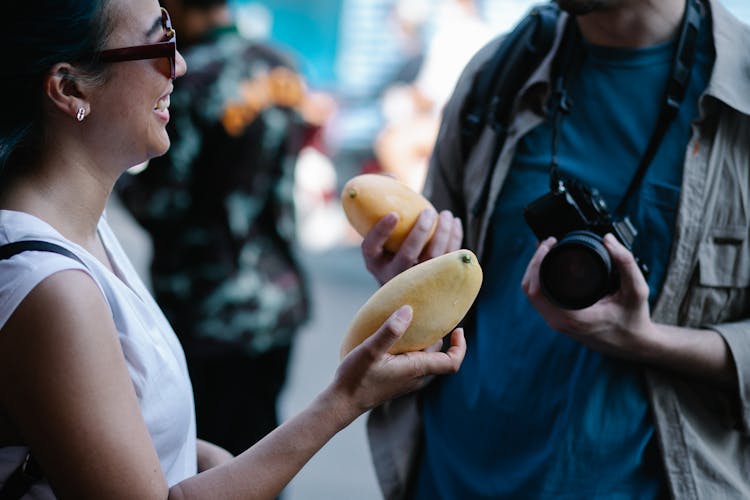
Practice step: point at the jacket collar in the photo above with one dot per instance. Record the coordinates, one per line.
(730, 79)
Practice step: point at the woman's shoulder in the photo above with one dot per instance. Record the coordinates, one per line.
(22, 270)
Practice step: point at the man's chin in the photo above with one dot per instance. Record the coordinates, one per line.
(581, 7)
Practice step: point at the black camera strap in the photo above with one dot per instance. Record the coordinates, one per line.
(570, 60)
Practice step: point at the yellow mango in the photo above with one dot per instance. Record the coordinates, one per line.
(367, 198)
(440, 291)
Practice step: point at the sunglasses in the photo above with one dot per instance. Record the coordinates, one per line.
(167, 48)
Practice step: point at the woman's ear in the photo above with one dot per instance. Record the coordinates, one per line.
(66, 91)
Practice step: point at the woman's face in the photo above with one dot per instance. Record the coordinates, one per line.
(129, 112)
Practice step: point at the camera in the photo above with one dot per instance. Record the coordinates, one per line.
(578, 270)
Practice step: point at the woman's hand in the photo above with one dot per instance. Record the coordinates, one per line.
(619, 324)
(417, 247)
(369, 376)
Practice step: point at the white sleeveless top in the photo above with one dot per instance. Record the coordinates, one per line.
(152, 351)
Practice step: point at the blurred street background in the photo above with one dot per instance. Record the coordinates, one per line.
(388, 66)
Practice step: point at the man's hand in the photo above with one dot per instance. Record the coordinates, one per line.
(417, 247)
(619, 324)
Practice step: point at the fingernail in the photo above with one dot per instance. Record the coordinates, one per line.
(404, 314)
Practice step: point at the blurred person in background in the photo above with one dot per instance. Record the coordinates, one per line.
(412, 108)
(220, 210)
(95, 397)
(374, 49)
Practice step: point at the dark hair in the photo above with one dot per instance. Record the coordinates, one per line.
(34, 36)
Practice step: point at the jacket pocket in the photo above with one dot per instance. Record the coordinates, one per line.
(720, 291)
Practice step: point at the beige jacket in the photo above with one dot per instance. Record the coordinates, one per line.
(704, 433)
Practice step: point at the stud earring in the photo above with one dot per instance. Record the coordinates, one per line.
(81, 114)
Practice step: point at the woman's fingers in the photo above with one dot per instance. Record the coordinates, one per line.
(451, 361)
(394, 327)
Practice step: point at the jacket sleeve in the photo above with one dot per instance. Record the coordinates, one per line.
(394, 431)
(737, 337)
(444, 185)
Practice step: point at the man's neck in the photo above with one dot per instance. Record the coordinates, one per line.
(638, 23)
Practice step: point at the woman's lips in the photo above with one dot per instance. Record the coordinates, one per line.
(162, 107)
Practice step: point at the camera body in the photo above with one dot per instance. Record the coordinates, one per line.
(578, 270)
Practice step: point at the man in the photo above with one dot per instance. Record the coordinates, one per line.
(645, 393)
(220, 211)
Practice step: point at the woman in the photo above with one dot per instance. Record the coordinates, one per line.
(92, 378)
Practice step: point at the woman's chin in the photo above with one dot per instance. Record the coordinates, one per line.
(161, 147)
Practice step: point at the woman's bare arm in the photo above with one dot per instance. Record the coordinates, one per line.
(65, 384)
(64, 381)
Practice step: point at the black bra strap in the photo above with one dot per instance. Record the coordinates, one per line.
(10, 249)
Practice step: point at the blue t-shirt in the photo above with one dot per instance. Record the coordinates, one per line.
(532, 413)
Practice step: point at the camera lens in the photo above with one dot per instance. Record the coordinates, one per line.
(576, 272)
